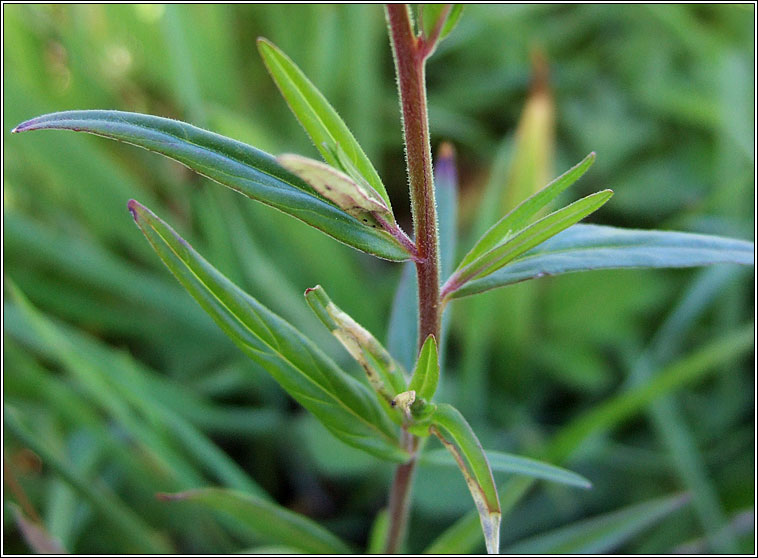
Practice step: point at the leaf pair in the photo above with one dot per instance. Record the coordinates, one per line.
(511, 236)
(512, 251)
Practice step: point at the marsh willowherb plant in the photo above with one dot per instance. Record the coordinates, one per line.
(393, 412)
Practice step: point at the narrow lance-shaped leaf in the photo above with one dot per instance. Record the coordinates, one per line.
(427, 373)
(472, 461)
(515, 464)
(322, 123)
(431, 14)
(357, 200)
(520, 215)
(384, 374)
(528, 238)
(264, 519)
(345, 406)
(601, 534)
(239, 166)
(590, 247)
(452, 20)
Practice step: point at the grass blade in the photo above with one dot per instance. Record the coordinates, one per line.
(601, 534)
(589, 247)
(463, 536)
(345, 406)
(402, 330)
(239, 166)
(264, 519)
(113, 510)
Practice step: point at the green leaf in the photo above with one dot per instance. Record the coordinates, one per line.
(472, 461)
(427, 373)
(601, 534)
(589, 247)
(452, 20)
(531, 236)
(431, 14)
(239, 166)
(261, 518)
(666, 416)
(344, 405)
(384, 374)
(516, 219)
(359, 200)
(322, 123)
(515, 464)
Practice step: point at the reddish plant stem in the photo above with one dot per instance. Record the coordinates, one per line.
(409, 62)
(410, 55)
(399, 504)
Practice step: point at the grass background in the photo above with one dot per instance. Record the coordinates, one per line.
(130, 386)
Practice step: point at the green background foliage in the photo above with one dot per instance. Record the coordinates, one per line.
(116, 379)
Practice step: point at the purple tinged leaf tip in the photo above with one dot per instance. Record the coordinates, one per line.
(27, 125)
(133, 205)
(21, 127)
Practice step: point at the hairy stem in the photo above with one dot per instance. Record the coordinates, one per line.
(410, 63)
(410, 55)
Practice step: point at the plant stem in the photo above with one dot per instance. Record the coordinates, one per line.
(410, 63)
(399, 504)
(410, 56)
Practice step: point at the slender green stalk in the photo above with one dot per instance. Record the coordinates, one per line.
(410, 55)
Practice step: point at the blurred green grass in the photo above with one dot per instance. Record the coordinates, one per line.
(663, 94)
